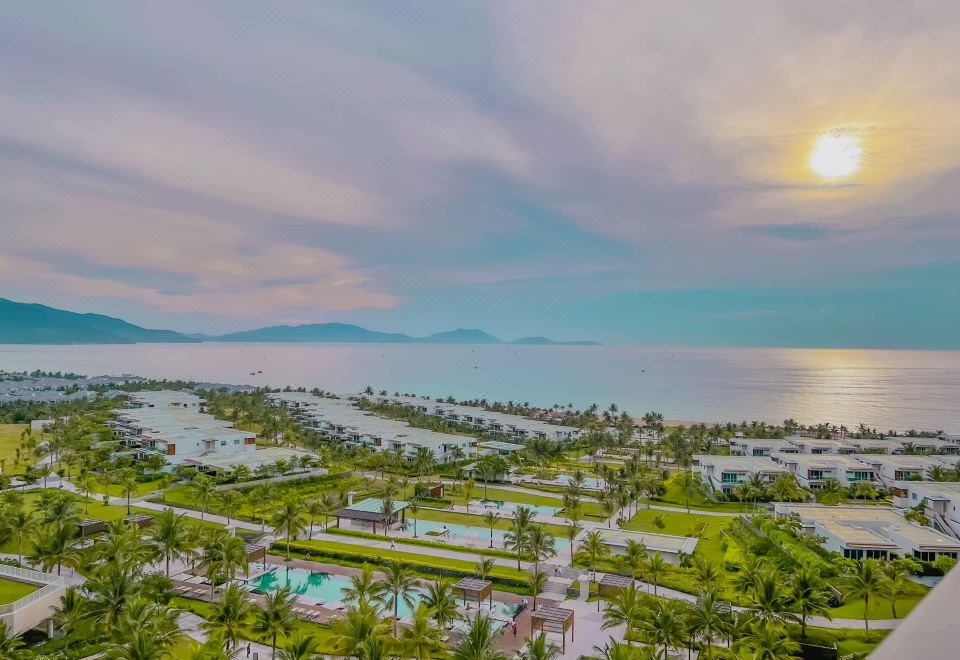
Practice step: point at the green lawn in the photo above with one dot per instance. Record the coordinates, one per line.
(115, 490)
(11, 590)
(852, 608)
(588, 508)
(674, 523)
(437, 515)
(674, 497)
(9, 442)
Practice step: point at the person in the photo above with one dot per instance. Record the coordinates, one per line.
(393, 545)
(514, 628)
(248, 649)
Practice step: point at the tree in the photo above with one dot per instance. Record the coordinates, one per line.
(203, 489)
(439, 597)
(479, 643)
(593, 550)
(230, 501)
(690, 485)
(21, 523)
(573, 530)
(55, 545)
(808, 596)
(541, 545)
(424, 461)
(485, 568)
(709, 617)
(222, 556)
(865, 581)
(768, 641)
(421, 638)
(895, 574)
(301, 647)
(10, 645)
(707, 572)
(490, 519)
(665, 623)
(769, 598)
(228, 616)
(831, 492)
(289, 520)
(536, 581)
(364, 588)
(656, 568)
(413, 506)
(127, 480)
(399, 584)
(625, 608)
(171, 536)
(386, 509)
(352, 632)
(277, 617)
(538, 648)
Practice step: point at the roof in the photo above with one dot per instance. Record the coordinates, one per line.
(496, 444)
(553, 614)
(654, 542)
(369, 509)
(614, 580)
(474, 585)
(739, 463)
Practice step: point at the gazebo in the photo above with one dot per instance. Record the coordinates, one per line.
(549, 619)
(89, 526)
(371, 511)
(475, 589)
(611, 585)
(256, 552)
(141, 520)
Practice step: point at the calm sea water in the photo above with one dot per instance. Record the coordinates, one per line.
(886, 389)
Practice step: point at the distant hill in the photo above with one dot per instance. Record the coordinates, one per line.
(23, 323)
(543, 341)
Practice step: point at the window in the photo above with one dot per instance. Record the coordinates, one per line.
(236, 441)
(730, 478)
(223, 443)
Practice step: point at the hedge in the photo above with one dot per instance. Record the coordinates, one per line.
(424, 566)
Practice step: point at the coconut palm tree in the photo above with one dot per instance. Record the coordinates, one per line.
(538, 648)
(421, 639)
(399, 584)
(665, 623)
(479, 643)
(413, 506)
(55, 545)
(386, 509)
(865, 581)
(222, 556)
(808, 596)
(485, 568)
(277, 618)
(171, 535)
(360, 624)
(573, 531)
(656, 568)
(70, 615)
(770, 598)
(593, 550)
(301, 647)
(441, 600)
(203, 490)
(709, 617)
(535, 583)
(831, 492)
(228, 616)
(541, 545)
(20, 523)
(230, 501)
(708, 572)
(634, 556)
(490, 519)
(364, 589)
(625, 608)
(895, 580)
(767, 641)
(10, 645)
(289, 520)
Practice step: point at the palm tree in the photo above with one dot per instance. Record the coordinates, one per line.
(230, 501)
(538, 648)
(277, 617)
(289, 520)
(479, 643)
(485, 568)
(770, 598)
(831, 492)
(593, 550)
(541, 546)
(20, 523)
(358, 625)
(626, 608)
(421, 638)
(228, 616)
(656, 568)
(10, 645)
(55, 545)
(399, 584)
(331, 502)
(364, 588)
(768, 641)
(171, 535)
(573, 530)
(709, 617)
(71, 615)
(439, 597)
(127, 480)
(413, 506)
(204, 490)
(895, 581)
(808, 596)
(665, 623)
(865, 580)
(536, 582)
(222, 556)
(386, 509)
(490, 519)
(301, 647)
(424, 462)
(635, 556)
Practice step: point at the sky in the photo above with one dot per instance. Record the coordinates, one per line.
(632, 173)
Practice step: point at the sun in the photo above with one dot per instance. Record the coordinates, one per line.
(836, 155)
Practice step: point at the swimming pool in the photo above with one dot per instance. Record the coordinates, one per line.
(588, 482)
(468, 534)
(539, 509)
(328, 588)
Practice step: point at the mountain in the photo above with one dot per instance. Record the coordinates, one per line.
(26, 323)
(543, 341)
(317, 332)
(23, 323)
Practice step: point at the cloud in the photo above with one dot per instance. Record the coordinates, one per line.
(793, 232)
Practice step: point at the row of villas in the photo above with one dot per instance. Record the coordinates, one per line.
(341, 419)
(795, 444)
(516, 427)
(171, 424)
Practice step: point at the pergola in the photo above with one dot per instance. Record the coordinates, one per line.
(141, 520)
(549, 619)
(611, 585)
(371, 511)
(90, 526)
(475, 589)
(256, 552)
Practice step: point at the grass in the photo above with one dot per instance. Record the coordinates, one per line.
(12, 590)
(674, 523)
(436, 515)
(674, 497)
(848, 641)
(116, 490)
(852, 608)
(587, 508)
(9, 442)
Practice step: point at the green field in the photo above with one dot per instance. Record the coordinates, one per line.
(115, 490)
(674, 523)
(674, 497)
(9, 441)
(11, 590)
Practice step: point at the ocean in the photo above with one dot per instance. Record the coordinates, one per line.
(886, 389)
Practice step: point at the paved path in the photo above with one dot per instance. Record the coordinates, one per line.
(190, 624)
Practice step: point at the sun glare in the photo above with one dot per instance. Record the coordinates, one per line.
(836, 154)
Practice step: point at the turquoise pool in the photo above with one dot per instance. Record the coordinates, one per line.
(477, 536)
(328, 588)
(539, 509)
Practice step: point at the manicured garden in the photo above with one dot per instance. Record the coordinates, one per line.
(9, 442)
(13, 590)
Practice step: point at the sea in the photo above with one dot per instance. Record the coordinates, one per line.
(884, 389)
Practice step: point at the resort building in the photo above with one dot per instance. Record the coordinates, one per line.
(898, 467)
(812, 471)
(820, 445)
(724, 473)
(497, 448)
(480, 419)
(763, 447)
(341, 419)
(170, 424)
(905, 445)
(939, 499)
(864, 532)
(41, 596)
(671, 548)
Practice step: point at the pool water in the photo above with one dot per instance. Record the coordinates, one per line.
(478, 536)
(328, 588)
(588, 482)
(539, 509)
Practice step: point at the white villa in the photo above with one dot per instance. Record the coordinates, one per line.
(899, 467)
(761, 446)
(940, 500)
(900, 444)
(863, 532)
(723, 473)
(812, 471)
(670, 547)
(340, 419)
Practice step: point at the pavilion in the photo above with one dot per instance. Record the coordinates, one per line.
(370, 511)
(475, 589)
(549, 619)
